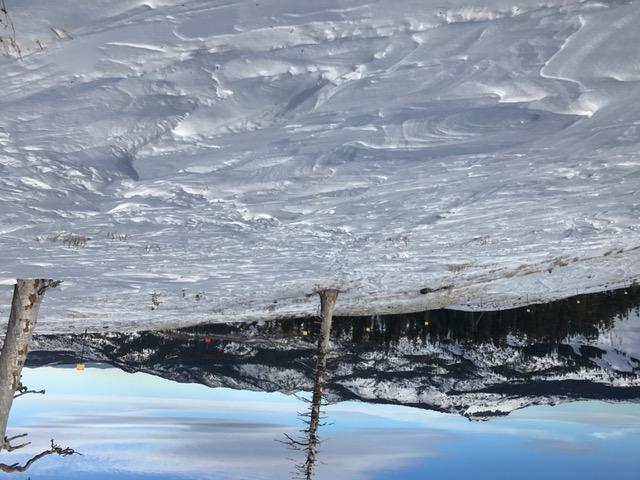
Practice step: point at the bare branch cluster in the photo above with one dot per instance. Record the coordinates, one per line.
(6, 445)
(5, 18)
(9, 42)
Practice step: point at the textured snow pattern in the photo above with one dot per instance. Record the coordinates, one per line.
(180, 162)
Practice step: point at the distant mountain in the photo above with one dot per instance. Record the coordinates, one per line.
(478, 365)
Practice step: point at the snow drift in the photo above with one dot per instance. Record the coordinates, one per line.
(205, 161)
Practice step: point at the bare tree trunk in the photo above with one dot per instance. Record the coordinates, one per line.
(327, 302)
(27, 296)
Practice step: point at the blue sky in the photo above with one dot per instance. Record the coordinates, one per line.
(136, 426)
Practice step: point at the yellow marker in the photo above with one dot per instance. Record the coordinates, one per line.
(528, 310)
(426, 324)
(305, 333)
(368, 329)
(80, 367)
(577, 301)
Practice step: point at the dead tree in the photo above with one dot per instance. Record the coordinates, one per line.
(309, 444)
(27, 297)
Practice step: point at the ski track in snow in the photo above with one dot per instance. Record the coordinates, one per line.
(184, 162)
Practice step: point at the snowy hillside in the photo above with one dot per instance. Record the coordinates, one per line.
(478, 368)
(200, 160)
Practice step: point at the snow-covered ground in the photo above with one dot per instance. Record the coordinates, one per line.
(202, 160)
(478, 378)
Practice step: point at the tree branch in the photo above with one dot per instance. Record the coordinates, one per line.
(54, 450)
(293, 443)
(22, 390)
(6, 445)
(47, 283)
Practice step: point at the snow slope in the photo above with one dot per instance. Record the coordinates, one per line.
(476, 378)
(199, 160)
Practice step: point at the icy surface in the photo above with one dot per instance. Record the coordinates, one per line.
(199, 160)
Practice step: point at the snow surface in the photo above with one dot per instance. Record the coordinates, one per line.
(181, 162)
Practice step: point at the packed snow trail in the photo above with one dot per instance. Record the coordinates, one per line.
(181, 162)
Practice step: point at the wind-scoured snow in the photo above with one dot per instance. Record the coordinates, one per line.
(205, 161)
